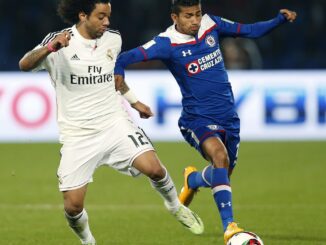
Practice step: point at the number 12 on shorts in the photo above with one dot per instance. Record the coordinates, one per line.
(138, 139)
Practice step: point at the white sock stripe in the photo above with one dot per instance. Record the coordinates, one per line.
(166, 177)
(221, 188)
(78, 216)
(203, 176)
(165, 181)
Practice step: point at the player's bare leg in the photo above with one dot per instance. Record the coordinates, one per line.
(216, 152)
(149, 164)
(76, 215)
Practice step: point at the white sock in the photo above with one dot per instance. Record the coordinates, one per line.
(168, 192)
(79, 224)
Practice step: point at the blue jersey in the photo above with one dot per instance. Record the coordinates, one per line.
(197, 64)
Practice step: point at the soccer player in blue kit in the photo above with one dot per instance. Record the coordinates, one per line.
(208, 122)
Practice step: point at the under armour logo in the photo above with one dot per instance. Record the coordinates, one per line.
(185, 53)
(223, 205)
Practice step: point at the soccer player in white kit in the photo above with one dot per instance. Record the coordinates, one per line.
(94, 127)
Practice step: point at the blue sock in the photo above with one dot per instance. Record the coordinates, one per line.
(222, 194)
(196, 179)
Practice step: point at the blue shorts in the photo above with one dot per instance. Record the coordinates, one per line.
(195, 133)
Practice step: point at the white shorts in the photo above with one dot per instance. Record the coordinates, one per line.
(116, 147)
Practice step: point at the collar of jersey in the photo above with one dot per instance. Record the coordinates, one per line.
(87, 42)
(181, 36)
(176, 37)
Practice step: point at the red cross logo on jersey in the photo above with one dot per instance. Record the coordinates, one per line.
(193, 68)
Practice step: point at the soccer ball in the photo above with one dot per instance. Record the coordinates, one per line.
(245, 238)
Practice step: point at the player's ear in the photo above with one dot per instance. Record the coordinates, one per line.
(174, 17)
(82, 16)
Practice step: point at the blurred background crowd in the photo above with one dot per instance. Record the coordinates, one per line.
(302, 45)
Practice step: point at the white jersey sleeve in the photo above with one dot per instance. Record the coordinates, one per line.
(49, 60)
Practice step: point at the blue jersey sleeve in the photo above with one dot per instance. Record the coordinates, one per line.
(259, 29)
(158, 48)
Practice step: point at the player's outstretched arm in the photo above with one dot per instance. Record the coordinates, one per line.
(289, 15)
(126, 58)
(255, 30)
(156, 49)
(33, 58)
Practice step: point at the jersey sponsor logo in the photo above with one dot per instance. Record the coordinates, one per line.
(210, 41)
(91, 79)
(149, 44)
(205, 62)
(185, 53)
(74, 57)
(94, 77)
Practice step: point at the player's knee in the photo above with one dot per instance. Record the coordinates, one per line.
(220, 159)
(73, 208)
(157, 173)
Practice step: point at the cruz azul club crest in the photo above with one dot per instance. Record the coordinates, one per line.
(193, 68)
(210, 40)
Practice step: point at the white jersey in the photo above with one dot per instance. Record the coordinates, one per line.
(83, 78)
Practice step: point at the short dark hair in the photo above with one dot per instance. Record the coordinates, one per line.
(69, 10)
(176, 4)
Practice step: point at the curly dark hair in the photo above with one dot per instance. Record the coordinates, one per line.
(176, 4)
(69, 10)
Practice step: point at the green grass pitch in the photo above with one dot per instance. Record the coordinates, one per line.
(279, 192)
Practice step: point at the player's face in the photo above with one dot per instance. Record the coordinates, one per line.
(188, 20)
(98, 21)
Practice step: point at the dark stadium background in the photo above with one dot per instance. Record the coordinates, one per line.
(300, 47)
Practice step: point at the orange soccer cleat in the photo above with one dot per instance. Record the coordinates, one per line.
(187, 194)
(231, 230)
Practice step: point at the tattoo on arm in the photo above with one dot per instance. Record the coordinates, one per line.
(123, 88)
(34, 57)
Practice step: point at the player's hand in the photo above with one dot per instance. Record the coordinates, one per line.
(144, 110)
(289, 15)
(61, 41)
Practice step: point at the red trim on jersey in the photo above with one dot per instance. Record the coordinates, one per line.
(210, 133)
(143, 52)
(201, 38)
(176, 44)
(239, 28)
